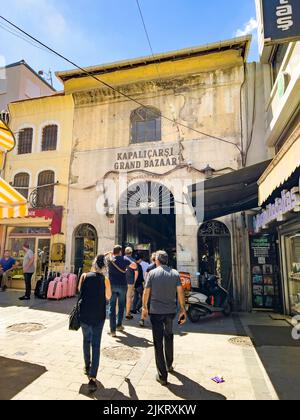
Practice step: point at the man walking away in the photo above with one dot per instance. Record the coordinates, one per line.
(7, 265)
(139, 286)
(151, 267)
(117, 267)
(130, 278)
(28, 270)
(163, 285)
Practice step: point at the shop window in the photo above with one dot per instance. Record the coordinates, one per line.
(145, 125)
(278, 59)
(25, 141)
(49, 140)
(293, 249)
(45, 190)
(21, 184)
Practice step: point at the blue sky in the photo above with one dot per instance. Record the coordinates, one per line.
(99, 31)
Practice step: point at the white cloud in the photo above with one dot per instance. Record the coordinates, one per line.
(43, 15)
(249, 28)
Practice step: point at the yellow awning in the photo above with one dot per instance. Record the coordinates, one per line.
(12, 203)
(7, 139)
(280, 169)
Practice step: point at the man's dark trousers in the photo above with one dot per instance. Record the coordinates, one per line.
(28, 277)
(163, 337)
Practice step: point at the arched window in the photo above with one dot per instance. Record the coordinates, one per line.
(49, 138)
(86, 245)
(145, 125)
(25, 141)
(45, 190)
(21, 184)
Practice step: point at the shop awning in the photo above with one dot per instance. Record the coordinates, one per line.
(12, 203)
(227, 194)
(280, 170)
(7, 139)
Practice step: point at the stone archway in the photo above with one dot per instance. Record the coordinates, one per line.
(147, 219)
(214, 245)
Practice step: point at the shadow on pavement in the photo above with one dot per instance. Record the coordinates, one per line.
(16, 376)
(191, 390)
(279, 353)
(133, 341)
(11, 298)
(108, 394)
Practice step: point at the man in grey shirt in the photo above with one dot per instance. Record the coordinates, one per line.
(28, 270)
(163, 286)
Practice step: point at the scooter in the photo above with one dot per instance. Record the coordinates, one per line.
(215, 300)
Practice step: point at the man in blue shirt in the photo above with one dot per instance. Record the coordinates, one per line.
(7, 265)
(117, 268)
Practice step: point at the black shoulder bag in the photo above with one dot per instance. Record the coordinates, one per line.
(74, 319)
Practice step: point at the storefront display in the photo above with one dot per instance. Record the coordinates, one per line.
(265, 272)
(39, 242)
(293, 267)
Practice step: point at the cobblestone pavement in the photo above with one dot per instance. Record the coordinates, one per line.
(127, 363)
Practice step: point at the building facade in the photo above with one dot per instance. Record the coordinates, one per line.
(111, 160)
(19, 81)
(279, 185)
(171, 121)
(38, 168)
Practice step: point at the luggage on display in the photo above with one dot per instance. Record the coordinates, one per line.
(37, 289)
(41, 289)
(65, 284)
(55, 291)
(72, 287)
(62, 287)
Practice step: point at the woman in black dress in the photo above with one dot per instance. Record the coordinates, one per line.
(95, 292)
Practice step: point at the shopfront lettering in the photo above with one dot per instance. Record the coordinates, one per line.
(288, 202)
(284, 14)
(147, 159)
(281, 21)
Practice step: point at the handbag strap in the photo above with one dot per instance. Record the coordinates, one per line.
(117, 267)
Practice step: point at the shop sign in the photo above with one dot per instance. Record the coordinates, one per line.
(147, 159)
(55, 215)
(281, 20)
(288, 202)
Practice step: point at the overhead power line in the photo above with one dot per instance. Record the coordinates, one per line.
(84, 71)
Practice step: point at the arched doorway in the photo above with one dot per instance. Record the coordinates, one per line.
(214, 247)
(147, 219)
(86, 245)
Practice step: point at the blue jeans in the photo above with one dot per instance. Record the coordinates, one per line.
(118, 295)
(138, 299)
(92, 340)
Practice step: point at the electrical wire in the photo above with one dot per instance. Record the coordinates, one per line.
(158, 72)
(84, 71)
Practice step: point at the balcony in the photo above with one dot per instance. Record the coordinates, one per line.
(42, 197)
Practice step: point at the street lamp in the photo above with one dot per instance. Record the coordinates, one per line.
(208, 172)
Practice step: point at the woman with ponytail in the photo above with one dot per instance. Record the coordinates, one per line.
(95, 292)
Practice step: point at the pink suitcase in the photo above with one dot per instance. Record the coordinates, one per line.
(65, 284)
(72, 290)
(55, 291)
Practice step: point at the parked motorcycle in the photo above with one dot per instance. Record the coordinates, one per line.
(212, 299)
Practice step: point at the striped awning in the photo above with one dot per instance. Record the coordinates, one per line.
(12, 203)
(7, 139)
